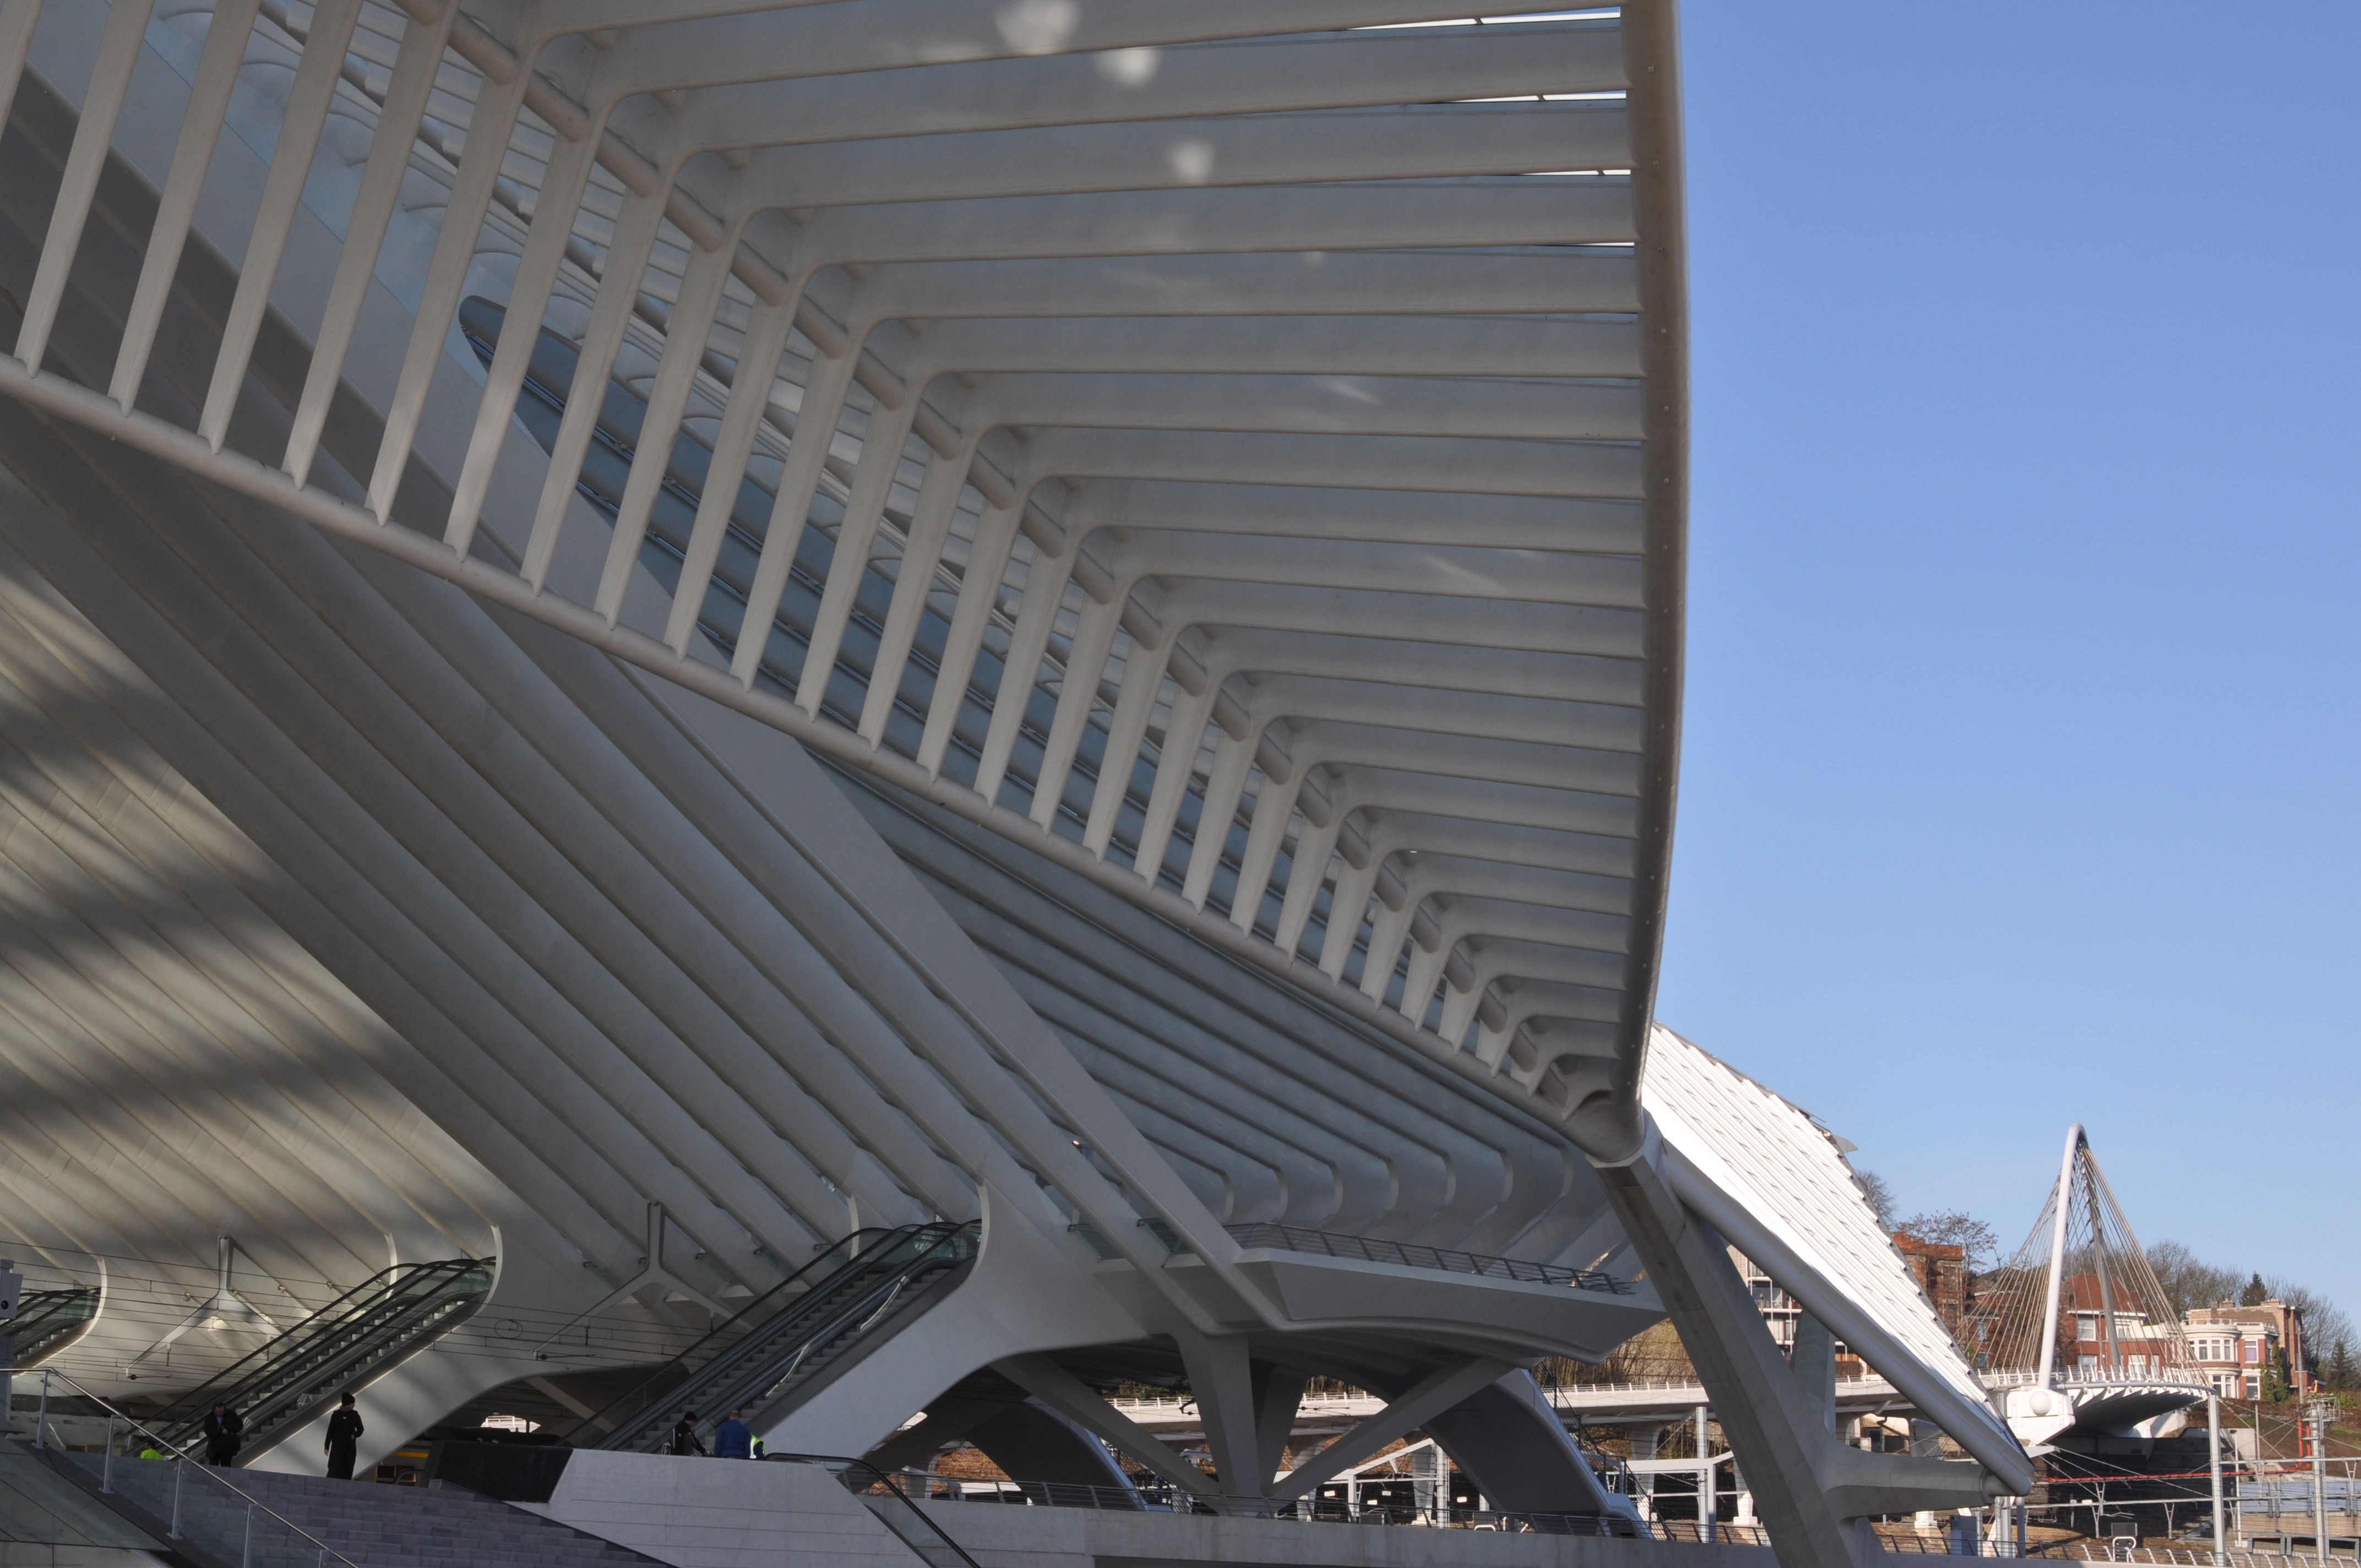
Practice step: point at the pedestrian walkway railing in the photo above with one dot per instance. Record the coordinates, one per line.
(1159, 1496)
(2085, 1549)
(1373, 1249)
(882, 1491)
(166, 1490)
(2101, 1377)
(1567, 1393)
(1411, 1254)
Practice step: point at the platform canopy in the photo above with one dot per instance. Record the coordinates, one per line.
(1235, 448)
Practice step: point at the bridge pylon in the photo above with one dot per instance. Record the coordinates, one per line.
(2075, 1332)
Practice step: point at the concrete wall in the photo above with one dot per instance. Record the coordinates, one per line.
(712, 1513)
(1010, 1537)
(716, 1513)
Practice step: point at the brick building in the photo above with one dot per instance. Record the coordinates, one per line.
(2138, 1346)
(1942, 1274)
(2244, 1353)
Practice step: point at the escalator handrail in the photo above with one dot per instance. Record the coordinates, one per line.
(868, 1273)
(393, 1295)
(793, 1321)
(47, 1320)
(744, 1320)
(632, 1428)
(309, 1388)
(39, 1311)
(287, 1389)
(336, 1316)
(855, 1313)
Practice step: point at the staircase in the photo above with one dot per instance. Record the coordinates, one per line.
(341, 1346)
(791, 1341)
(415, 1527)
(368, 1526)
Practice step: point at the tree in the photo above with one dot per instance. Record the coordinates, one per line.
(2255, 1293)
(1880, 1196)
(1955, 1227)
(2342, 1373)
(2324, 1322)
(2189, 1280)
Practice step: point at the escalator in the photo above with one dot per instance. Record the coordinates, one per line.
(49, 1320)
(796, 1337)
(344, 1344)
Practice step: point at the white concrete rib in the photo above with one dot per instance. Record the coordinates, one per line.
(1240, 443)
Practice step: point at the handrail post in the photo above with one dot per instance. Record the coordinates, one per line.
(41, 1420)
(246, 1551)
(180, 1468)
(106, 1466)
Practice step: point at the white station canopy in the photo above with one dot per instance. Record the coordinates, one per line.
(1234, 449)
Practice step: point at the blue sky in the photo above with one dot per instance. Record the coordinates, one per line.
(2023, 753)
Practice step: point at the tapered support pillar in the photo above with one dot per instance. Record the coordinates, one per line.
(1812, 1493)
(1812, 1361)
(1221, 1377)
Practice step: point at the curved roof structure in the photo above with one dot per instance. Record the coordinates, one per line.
(1207, 479)
(1250, 437)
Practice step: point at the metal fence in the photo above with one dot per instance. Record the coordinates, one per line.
(919, 1486)
(1162, 1497)
(130, 1433)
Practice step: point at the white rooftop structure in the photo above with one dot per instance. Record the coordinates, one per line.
(645, 643)
(1252, 435)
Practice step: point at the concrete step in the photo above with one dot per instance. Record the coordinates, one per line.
(374, 1526)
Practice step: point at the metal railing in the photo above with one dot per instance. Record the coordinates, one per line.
(182, 1463)
(2155, 1378)
(1846, 1387)
(1159, 1497)
(376, 1322)
(1411, 1254)
(1272, 1237)
(886, 1497)
(2088, 1549)
(47, 1320)
(795, 1329)
(1567, 1398)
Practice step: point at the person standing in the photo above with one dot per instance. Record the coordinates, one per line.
(684, 1440)
(734, 1438)
(344, 1438)
(223, 1429)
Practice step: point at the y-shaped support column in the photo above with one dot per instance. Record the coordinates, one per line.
(1812, 1492)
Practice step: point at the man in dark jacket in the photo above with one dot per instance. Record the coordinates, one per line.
(733, 1439)
(684, 1440)
(344, 1431)
(224, 1428)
